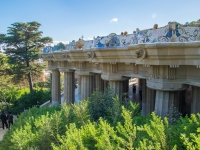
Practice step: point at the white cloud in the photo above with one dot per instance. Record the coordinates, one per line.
(154, 15)
(89, 38)
(56, 42)
(114, 20)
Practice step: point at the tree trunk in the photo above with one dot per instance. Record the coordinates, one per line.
(30, 82)
(29, 77)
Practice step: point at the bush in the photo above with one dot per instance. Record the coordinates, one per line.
(9, 96)
(100, 104)
(28, 100)
(34, 129)
(45, 84)
(119, 127)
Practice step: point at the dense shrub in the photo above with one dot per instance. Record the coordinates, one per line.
(44, 84)
(100, 104)
(28, 100)
(73, 127)
(35, 128)
(108, 106)
(9, 96)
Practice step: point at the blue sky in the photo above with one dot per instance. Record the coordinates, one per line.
(67, 20)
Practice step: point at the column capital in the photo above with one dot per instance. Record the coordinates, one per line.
(113, 77)
(84, 73)
(53, 65)
(166, 86)
(65, 70)
(54, 69)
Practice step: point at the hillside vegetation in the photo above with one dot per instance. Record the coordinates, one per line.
(111, 125)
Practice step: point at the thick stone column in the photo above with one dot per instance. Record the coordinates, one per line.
(164, 99)
(73, 85)
(150, 100)
(117, 87)
(143, 88)
(69, 87)
(86, 86)
(56, 88)
(79, 84)
(98, 82)
(195, 108)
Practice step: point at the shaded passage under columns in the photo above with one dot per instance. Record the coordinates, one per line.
(143, 95)
(195, 108)
(56, 88)
(69, 87)
(136, 90)
(86, 86)
(126, 88)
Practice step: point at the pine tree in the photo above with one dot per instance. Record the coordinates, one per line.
(23, 43)
(60, 46)
(4, 79)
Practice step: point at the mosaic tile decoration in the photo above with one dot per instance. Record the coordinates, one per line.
(173, 32)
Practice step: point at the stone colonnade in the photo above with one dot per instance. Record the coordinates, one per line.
(165, 71)
(152, 99)
(87, 85)
(158, 101)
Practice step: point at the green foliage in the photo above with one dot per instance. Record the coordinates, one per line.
(23, 43)
(60, 46)
(80, 113)
(126, 131)
(184, 126)
(192, 23)
(34, 129)
(9, 96)
(44, 84)
(29, 99)
(101, 104)
(173, 114)
(193, 142)
(72, 127)
(155, 133)
(5, 84)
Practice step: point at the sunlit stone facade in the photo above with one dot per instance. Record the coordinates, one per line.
(166, 60)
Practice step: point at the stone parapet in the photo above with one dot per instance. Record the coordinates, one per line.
(166, 66)
(172, 32)
(172, 54)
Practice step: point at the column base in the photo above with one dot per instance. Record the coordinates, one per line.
(55, 103)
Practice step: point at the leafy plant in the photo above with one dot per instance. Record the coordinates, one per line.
(120, 127)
